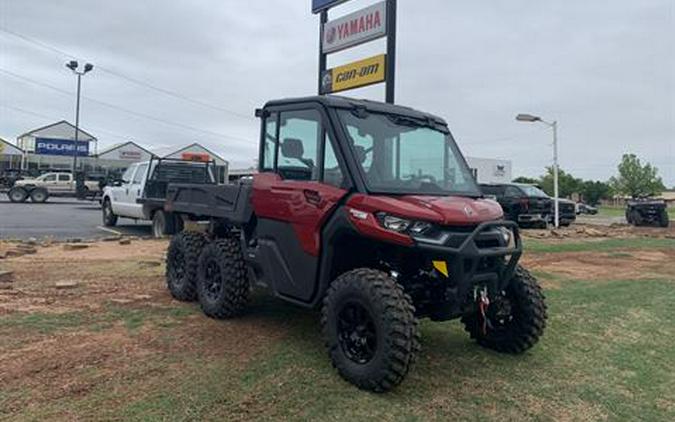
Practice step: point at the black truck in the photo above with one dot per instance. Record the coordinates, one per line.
(524, 204)
(528, 205)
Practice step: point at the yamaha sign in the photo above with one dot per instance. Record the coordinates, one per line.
(64, 147)
(356, 28)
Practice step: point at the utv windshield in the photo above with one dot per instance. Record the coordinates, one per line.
(399, 154)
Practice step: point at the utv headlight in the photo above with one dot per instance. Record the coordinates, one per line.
(506, 234)
(402, 225)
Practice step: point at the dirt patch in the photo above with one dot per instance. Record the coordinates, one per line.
(591, 231)
(119, 323)
(627, 265)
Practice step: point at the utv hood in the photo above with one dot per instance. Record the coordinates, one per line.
(445, 210)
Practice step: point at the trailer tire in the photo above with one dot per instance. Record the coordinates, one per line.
(370, 329)
(39, 195)
(182, 259)
(222, 282)
(162, 224)
(17, 194)
(521, 328)
(109, 217)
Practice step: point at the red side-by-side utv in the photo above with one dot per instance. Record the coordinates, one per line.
(369, 212)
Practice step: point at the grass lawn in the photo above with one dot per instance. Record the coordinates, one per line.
(608, 353)
(607, 211)
(591, 245)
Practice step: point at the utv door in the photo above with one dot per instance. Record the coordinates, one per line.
(297, 190)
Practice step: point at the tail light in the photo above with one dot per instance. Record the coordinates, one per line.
(525, 204)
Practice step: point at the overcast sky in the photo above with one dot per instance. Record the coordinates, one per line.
(605, 69)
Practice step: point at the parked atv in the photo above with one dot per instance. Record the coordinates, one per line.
(647, 212)
(369, 212)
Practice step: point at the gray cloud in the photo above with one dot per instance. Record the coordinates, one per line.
(604, 69)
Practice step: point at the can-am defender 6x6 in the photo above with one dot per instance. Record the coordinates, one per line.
(369, 212)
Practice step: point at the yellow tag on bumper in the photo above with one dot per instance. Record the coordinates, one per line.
(441, 267)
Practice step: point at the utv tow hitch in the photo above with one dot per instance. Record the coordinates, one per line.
(480, 295)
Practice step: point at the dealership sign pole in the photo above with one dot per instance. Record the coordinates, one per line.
(373, 22)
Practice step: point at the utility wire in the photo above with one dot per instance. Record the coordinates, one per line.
(44, 116)
(128, 78)
(124, 110)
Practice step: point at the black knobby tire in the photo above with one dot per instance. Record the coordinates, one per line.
(162, 224)
(109, 217)
(182, 260)
(664, 220)
(222, 282)
(522, 327)
(379, 352)
(17, 194)
(39, 195)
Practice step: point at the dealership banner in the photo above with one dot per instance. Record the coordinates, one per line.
(356, 28)
(65, 147)
(320, 5)
(354, 75)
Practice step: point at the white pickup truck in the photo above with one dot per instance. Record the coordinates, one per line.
(41, 188)
(141, 193)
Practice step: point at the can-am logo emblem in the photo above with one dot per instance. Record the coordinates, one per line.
(468, 211)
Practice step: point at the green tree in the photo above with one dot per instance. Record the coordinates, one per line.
(635, 179)
(567, 184)
(594, 191)
(528, 180)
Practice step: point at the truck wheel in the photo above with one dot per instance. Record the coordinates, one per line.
(222, 283)
(109, 217)
(162, 224)
(17, 195)
(182, 259)
(515, 320)
(664, 220)
(39, 195)
(370, 329)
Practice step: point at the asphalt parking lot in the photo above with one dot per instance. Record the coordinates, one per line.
(60, 219)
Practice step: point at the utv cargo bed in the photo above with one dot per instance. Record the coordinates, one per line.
(200, 201)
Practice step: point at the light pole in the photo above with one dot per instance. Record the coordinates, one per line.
(553, 125)
(73, 65)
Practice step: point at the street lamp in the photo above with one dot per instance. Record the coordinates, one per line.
(73, 65)
(553, 125)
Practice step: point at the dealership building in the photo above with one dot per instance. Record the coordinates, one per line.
(52, 147)
(490, 170)
(10, 156)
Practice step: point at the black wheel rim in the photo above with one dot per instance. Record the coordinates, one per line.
(357, 334)
(213, 280)
(501, 316)
(178, 269)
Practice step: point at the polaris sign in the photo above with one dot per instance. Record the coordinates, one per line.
(64, 147)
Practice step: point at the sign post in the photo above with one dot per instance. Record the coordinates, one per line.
(362, 26)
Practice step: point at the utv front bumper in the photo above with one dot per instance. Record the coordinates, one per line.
(483, 257)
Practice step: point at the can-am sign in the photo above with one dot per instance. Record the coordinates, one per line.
(354, 75)
(356, 28)
(61, 147)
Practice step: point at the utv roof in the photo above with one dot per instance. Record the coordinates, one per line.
(335, 101)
